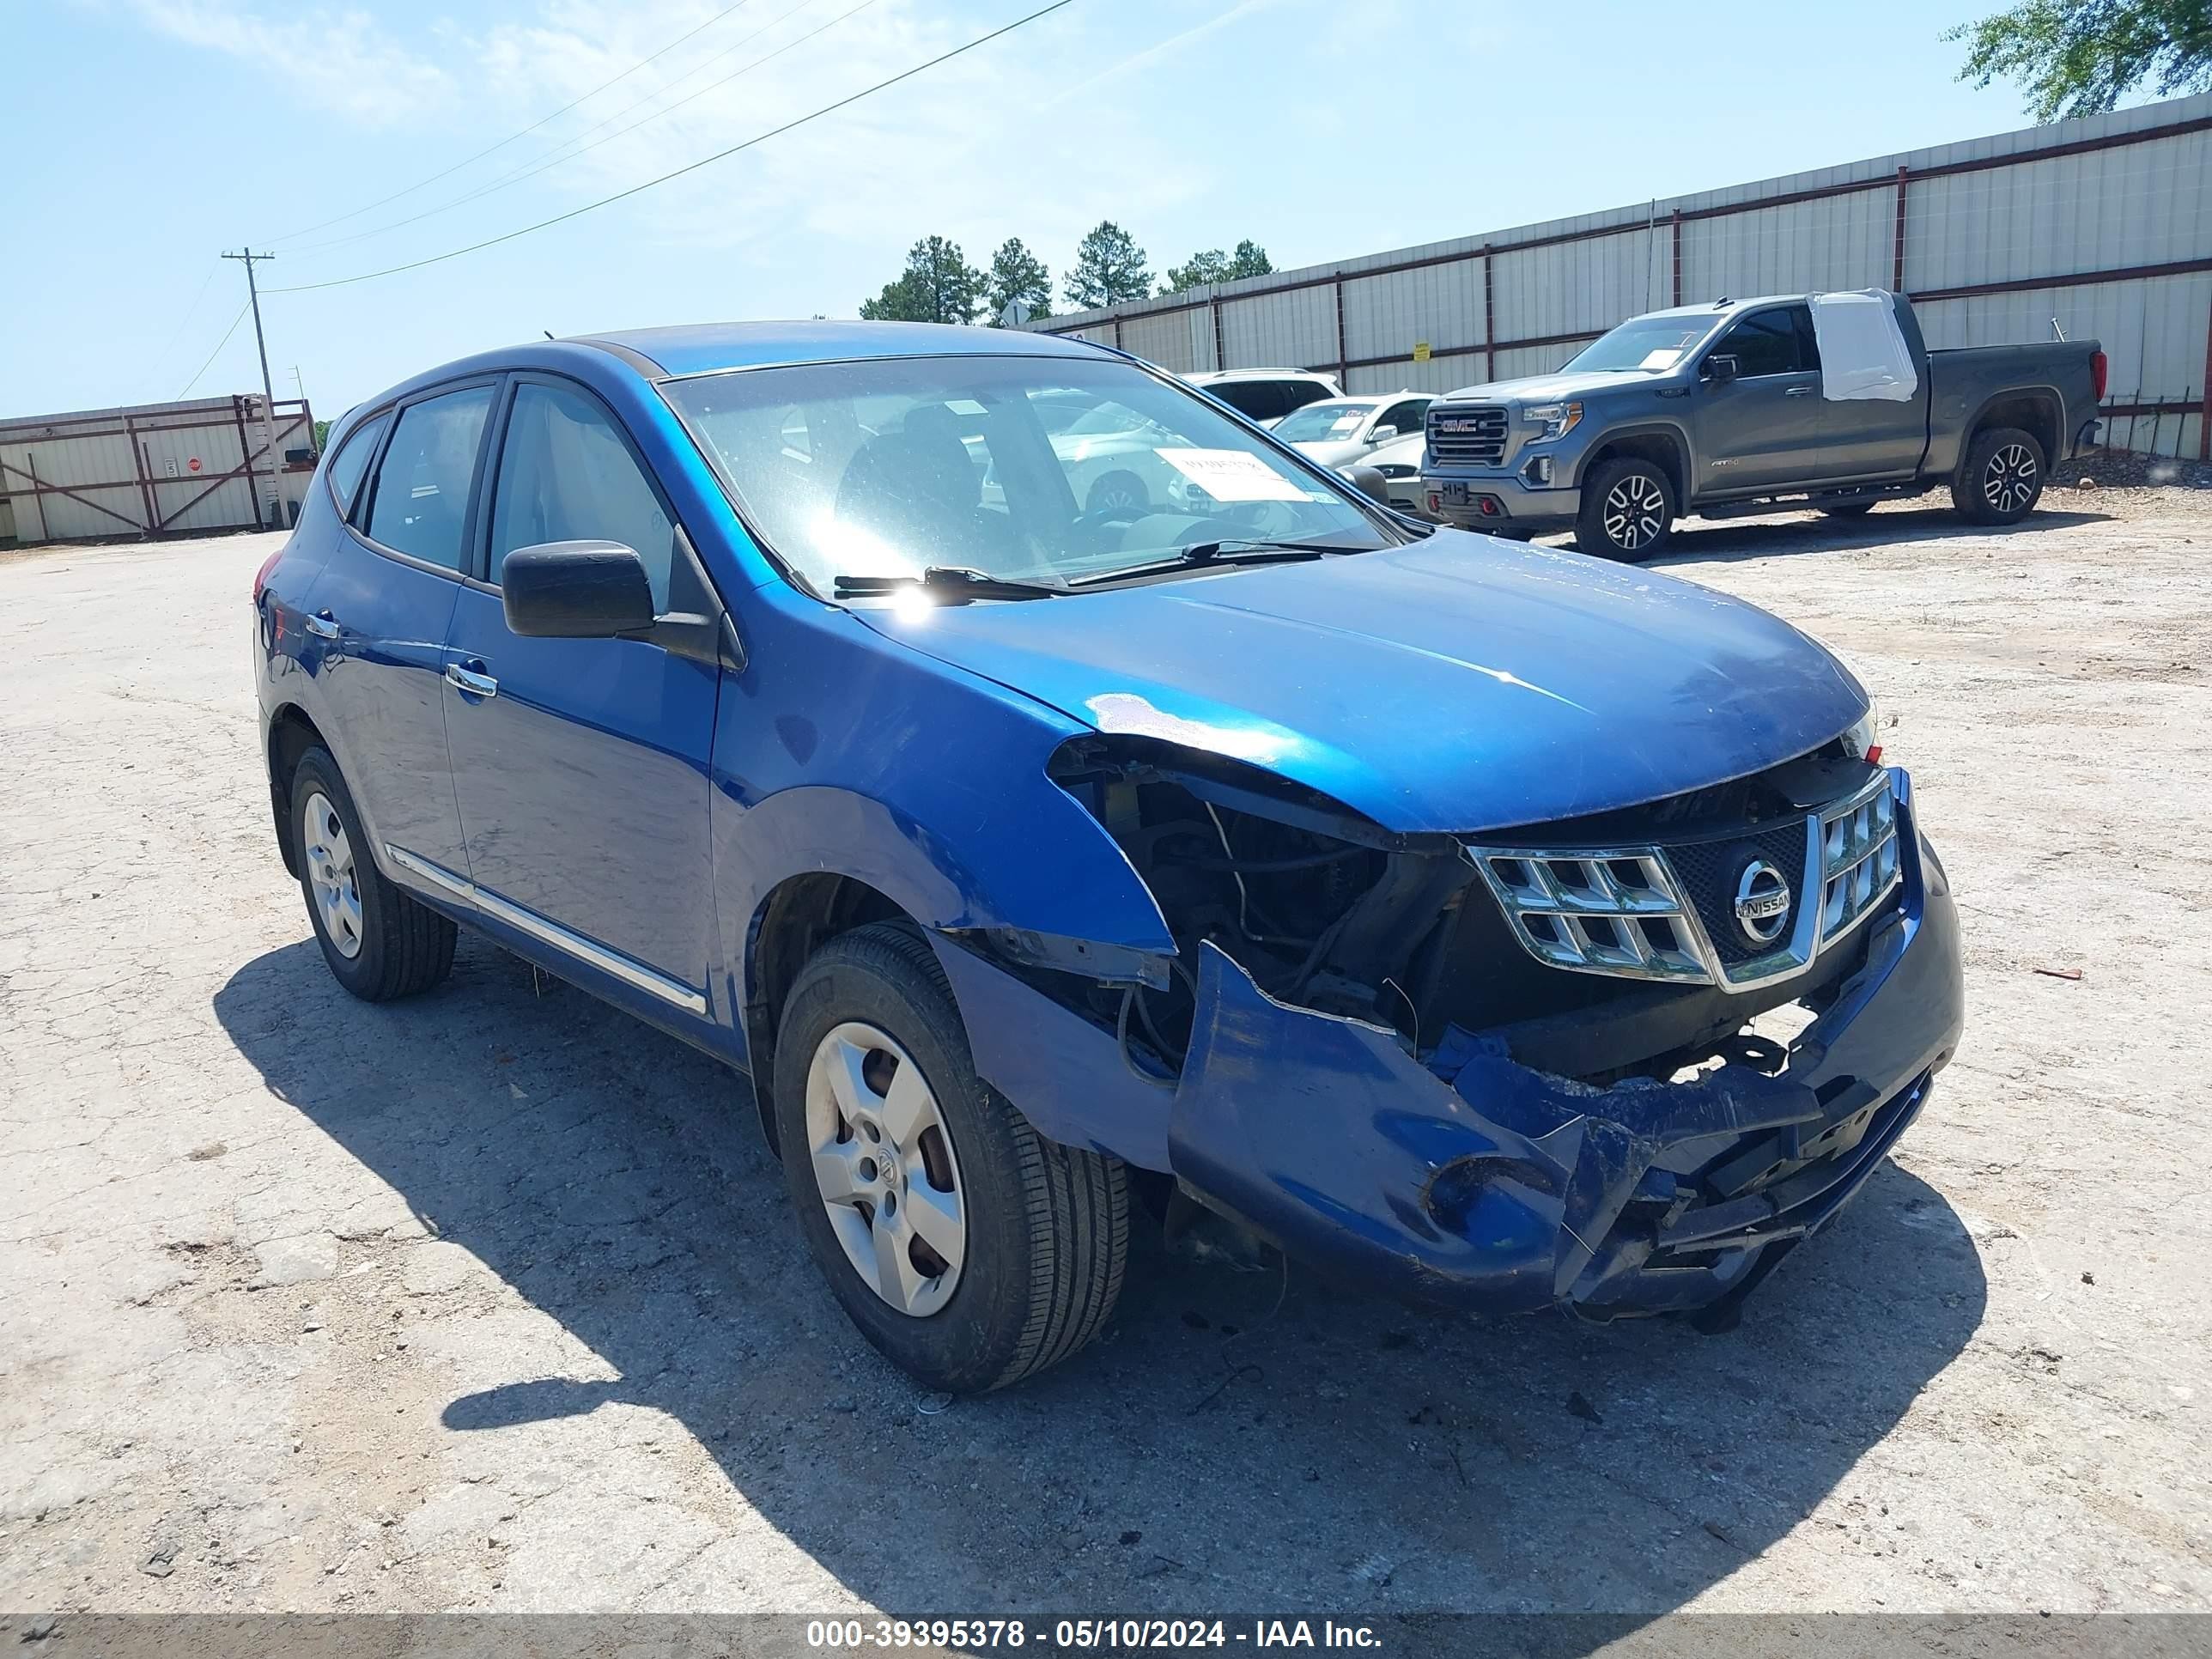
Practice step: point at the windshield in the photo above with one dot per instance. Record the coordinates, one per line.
(1653, 344)
(1317, 423)
(888, 467)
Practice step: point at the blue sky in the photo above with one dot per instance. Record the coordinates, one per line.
(152, 134)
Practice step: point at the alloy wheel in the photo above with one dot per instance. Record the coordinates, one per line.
(329, 855)
(2008, 481)
(884, 1167)
(1635, 512)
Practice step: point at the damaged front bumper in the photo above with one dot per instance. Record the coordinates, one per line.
(1473, 1181)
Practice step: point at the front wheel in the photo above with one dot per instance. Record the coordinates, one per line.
(2001, 478)
(1627, 511)
(967, 1248)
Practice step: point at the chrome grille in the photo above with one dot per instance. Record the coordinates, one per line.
(1858, 859)
(1467, 435)
(1597, 912)
(1658, 913)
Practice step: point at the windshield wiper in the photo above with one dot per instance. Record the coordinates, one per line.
(1235, 550)
(957, 581)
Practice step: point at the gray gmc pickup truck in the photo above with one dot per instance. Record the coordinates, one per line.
(1721, 410)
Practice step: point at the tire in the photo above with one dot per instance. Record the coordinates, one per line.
(381, 943)
(1035, 1265)
(1849, 509)
(2000, 480)
(1627, 513)
(1123, 492)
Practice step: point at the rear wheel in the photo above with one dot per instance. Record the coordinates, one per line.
(2001, 478)
(379, 941)
(967, 1249)
(1627, 511)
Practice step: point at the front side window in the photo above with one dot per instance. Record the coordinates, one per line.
(1406, 416)
(565, 475)
(910, 462)
(1765, 343)
(352, 460)
(422, 502)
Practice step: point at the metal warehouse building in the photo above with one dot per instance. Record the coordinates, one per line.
(154, 470)
(2103, 225)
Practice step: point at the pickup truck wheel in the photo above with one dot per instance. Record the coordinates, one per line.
(1627, 513)
(380, 942)
(967, 1249)
(2002, 479)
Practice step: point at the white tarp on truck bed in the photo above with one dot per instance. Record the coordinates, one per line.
(1863, 351)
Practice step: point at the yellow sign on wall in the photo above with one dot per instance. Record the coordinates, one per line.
(1420, 351)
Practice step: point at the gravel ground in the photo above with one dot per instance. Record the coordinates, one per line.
(490, 1299)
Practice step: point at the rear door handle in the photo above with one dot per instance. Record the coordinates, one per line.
(469, 680)
(1797, 392)
(323, 625)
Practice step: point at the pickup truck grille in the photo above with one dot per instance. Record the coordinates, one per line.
(1467, 435)
(1737, 911)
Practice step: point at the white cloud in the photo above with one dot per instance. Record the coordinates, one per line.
(338, 61)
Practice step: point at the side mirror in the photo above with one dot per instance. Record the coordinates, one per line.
(1369, 482)
(575, 591)
(1720, 369)
(1382, 434)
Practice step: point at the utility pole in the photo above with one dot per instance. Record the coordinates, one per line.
(276, 506)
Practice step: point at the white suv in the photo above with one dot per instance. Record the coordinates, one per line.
(1266, 395)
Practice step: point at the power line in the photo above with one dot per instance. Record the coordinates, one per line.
(516, 175)
(212, 355)
(523, 132)
(691, 166)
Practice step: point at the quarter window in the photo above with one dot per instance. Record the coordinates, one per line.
(565, 475)
(422, 502)
(352, 460)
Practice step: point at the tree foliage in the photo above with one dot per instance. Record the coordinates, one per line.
(1017, 274)
(938, 286)
(1110, 267)
(2081, 57)
(1213, 266)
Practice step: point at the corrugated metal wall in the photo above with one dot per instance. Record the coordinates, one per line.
(152, 469)
(2103, 225)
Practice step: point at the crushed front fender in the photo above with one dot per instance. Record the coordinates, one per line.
(1467, 1180)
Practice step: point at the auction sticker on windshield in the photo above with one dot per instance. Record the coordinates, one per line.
(1232, 475)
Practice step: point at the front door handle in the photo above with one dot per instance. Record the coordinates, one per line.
(323, 625)
(469, 680)
(1797, 392)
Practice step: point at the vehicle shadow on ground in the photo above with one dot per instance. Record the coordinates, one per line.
(1730, 540)
(1237, 1441)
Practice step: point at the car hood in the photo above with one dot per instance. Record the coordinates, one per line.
(1544, 388)
(1458, 683)
(1331, 452)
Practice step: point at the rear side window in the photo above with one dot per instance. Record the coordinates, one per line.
(352, 460)
(1254, 399)
(421, 499)
(565, 475)
(1296, 394)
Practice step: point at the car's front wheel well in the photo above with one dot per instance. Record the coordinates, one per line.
(1661, 451)
(291, 734)
(800, 916)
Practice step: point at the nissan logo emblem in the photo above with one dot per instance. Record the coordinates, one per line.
(1762, 901)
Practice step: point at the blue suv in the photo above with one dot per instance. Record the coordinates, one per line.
(1059, 799)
